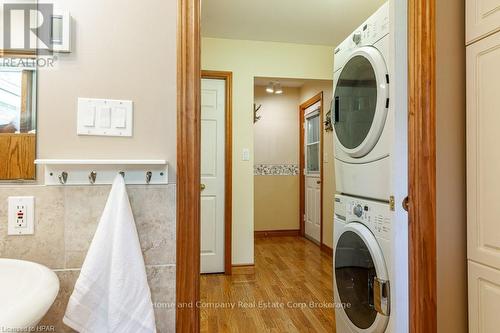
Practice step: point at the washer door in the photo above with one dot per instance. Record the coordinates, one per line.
(359, 268)
(361, 101)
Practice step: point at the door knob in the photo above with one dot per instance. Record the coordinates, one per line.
(203, 186)
(318, 182)
(406, 203)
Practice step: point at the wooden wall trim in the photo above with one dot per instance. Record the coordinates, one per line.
(228, 160)
(188, 167)
(311, 101)
(277, 233)
(422, 167)
(327, 250)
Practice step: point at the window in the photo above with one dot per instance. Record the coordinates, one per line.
(313, 143)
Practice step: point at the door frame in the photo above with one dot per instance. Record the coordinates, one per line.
(421, 160)
(422, 166)
(302, 163)
(228, 162)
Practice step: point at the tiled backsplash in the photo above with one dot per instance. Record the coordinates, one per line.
(65, 222)
(275, 170)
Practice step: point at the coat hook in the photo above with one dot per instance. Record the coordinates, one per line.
(122, 173)
(92, 177)
(149, 174)
(63, 177)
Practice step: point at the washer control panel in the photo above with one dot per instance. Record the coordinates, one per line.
(374, 214)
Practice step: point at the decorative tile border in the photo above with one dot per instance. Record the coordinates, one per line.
(275, 170)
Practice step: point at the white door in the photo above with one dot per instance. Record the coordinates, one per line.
(483, 155)
(312, 149)
(484, 298)
(212, 175)
(483, 18)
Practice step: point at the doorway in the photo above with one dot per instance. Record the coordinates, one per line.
(216, 172)
(311, 168)
(421, 203)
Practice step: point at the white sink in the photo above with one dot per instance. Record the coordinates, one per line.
(27, 290)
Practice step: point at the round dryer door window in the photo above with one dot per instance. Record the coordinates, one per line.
(358, 266)
(361, 101)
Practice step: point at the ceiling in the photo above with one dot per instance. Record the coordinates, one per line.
(320, 22)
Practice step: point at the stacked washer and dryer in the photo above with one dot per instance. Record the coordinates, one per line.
(363, 123)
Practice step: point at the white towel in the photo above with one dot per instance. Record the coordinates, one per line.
(112, 292)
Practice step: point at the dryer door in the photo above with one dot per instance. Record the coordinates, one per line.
(361, 100)
(361, 279)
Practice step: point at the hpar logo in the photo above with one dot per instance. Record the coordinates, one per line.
(27, 28)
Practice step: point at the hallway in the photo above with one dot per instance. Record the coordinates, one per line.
(290, 291)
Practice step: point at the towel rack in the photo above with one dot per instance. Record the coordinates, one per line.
(98, 172)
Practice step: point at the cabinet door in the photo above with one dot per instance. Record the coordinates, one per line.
(483, 151)
(483, 18)
(484, 298)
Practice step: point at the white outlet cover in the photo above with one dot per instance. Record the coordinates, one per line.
(26, 207)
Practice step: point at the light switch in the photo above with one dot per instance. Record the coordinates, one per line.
(21, 219)
(89, 117)
(105, 117)
(119, 117)
(246, 154)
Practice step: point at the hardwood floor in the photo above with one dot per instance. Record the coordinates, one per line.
(289, 290)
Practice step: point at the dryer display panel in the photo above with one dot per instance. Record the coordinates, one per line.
(355, 102)
(354, 274)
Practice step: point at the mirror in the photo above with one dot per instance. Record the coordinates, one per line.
(18, 80)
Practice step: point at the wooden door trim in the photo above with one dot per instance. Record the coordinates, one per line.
(188, 167)
(311, 101)
(228, 163)
(422, 166)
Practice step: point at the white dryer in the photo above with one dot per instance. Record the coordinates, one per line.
(362, 112)
(362, 266)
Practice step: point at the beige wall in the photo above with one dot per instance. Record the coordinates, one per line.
(276, 141)
(276, 203)
(308, 90)
(276, 134)
(247, 60)
(451, 191)
(123, 50)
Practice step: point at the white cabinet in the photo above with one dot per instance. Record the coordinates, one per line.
(483, 151)
(483, 18)
(484, 299)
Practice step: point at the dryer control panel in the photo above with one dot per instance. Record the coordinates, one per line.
(371, 31)
(374, 214)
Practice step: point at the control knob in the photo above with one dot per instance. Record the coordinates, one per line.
(356, 38)
(358, 210)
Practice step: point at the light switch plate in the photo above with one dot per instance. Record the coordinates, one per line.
(104, 117)
(246, 154)
(21, 213)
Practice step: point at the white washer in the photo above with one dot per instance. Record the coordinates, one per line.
(362, 112)
(362, 266)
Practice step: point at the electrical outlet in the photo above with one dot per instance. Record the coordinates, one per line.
(21, 216)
